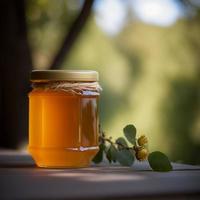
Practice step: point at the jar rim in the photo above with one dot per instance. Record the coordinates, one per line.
(64, 75)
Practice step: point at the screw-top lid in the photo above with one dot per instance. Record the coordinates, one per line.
(64, 75)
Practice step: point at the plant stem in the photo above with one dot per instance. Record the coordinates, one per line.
(115, 143)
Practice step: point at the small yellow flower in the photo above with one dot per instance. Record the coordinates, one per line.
(141, 154)
(142, 140)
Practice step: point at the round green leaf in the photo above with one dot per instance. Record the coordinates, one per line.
(125, 157)
(111, 153)
(99, 156)
(121, 141)
(159, 162)
(130, 133)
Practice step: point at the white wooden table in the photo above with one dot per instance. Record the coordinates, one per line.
(21, 179)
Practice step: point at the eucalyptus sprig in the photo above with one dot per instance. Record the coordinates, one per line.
(120, 151)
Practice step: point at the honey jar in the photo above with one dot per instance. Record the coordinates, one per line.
(63, 117)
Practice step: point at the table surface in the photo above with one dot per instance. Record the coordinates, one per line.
(21, 179)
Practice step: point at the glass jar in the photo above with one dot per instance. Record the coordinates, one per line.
(63, 117)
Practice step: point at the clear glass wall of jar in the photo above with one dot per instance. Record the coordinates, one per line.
(63, 117)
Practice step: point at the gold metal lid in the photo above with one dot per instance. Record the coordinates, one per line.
(64, 75)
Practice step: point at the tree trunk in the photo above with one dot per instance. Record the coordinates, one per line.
(15, 66)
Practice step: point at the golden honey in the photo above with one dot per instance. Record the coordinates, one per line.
(63, 118)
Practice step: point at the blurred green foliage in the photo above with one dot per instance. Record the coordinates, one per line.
(48, 21)
(150, 75)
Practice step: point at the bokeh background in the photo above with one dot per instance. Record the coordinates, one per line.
(148, 55)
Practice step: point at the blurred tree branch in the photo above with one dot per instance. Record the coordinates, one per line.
(72, 34)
